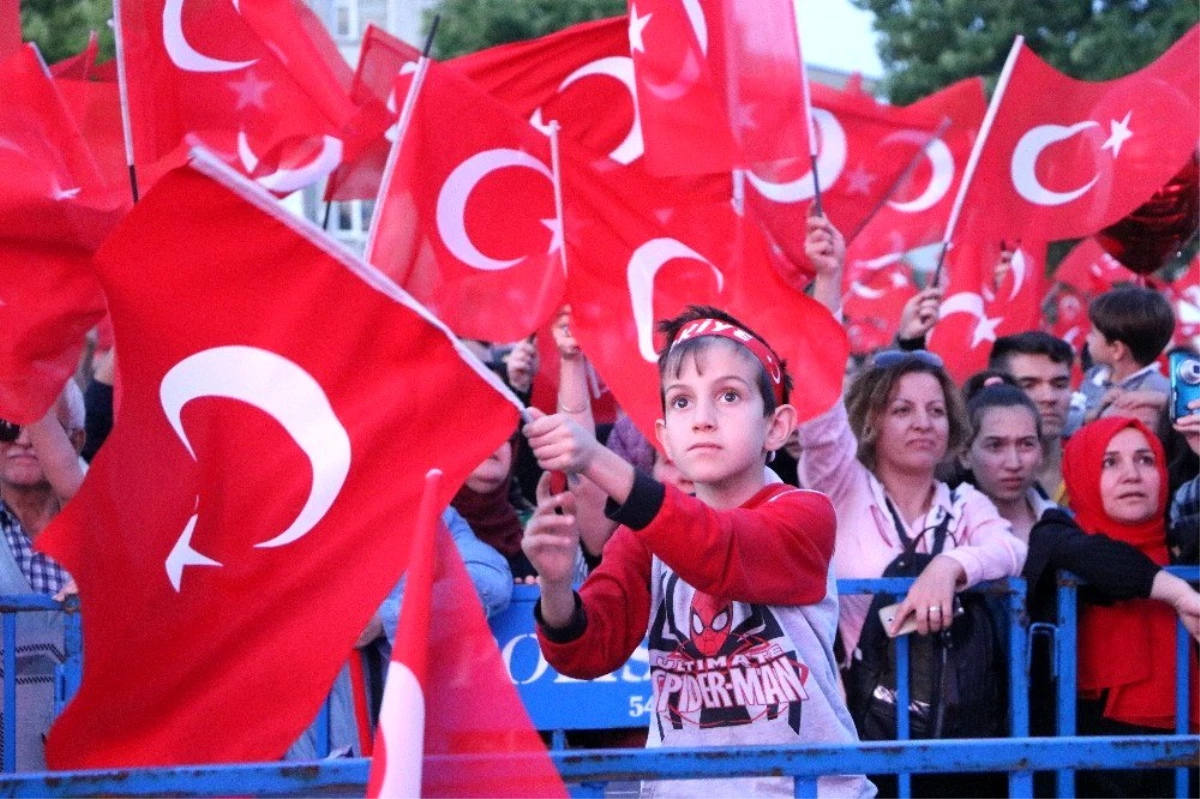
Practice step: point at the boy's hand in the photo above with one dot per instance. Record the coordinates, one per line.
(560, 444)
(824, 246)
(920, 314)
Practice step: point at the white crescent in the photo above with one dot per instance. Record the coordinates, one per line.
(631, 147)
(1018, 267)
(285, 392)
(963, 302)
(831, 160)
(695, 15)
(941, 160)
(866, 292)
(285, 180)
(1024, 163)
(452, 202)
(182, 54)
(643, 266)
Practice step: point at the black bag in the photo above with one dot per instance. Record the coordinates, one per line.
(957, 678)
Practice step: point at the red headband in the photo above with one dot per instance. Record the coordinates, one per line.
(715, 327)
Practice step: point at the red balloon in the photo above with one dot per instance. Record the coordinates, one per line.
(1157, 229)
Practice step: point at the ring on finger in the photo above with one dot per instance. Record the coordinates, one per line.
(935, 609)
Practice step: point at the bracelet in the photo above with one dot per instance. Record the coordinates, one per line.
(564, 409)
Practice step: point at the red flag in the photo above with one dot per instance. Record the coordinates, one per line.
(983, 302)
(379, 62)
(863, 148)
(422, 709)
(635, 259)
(1090, 270)
(718, 83)
(467, 223)
(252, 81)
(1056, 170)
(1184, 294)
(10, 27)
(916, 215)
(54, 211)
(872, 305)
(251, 507)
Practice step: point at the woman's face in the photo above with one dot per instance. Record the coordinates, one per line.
(913, 427)
(1006, 453)
(1129, 478)
(492, 473)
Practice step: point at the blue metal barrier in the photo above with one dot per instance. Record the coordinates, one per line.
(1068, 631)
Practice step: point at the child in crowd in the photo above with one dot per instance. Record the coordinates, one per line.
(733, 585)
(1131, 326)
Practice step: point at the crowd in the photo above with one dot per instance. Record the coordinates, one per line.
(722, 540)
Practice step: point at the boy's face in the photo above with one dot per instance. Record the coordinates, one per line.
(714, 428)
(1099, 348)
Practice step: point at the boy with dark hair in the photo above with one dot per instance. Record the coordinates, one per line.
(1131, 326)
(734, 585)
(1041, 365)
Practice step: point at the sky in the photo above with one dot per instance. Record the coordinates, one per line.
(835, 34)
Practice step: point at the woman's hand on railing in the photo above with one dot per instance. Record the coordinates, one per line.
(931, 597)
(1179, 595)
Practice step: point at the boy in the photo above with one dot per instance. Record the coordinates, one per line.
(1130, 328)
(734, 584)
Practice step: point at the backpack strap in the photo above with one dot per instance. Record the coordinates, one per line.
(939, 533)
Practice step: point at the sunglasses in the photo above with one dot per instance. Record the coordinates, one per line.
(9, 432)
(890, 358)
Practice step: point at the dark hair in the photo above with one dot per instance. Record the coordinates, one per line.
(981, 380)
(1031, 342)
(671, 358)
(1000, 395)
(871, 391)
(1139, 318)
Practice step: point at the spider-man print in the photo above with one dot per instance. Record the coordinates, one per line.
(715, 670)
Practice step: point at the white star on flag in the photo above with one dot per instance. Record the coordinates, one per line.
(636, 26)
(860, 181)
(556, 234)
(250, 91)
(1119, 133)
(985, 330)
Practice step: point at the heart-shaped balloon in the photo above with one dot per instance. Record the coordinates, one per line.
(1157, 229)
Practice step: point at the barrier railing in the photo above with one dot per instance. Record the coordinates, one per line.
(1065, 651)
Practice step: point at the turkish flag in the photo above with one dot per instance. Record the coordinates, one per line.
(872, 305)
(635, 259)
(379, 62)
(253, 81)
(984, 301)
(467, 222)
(54, 211)
(719, 84)
(863, 148)
(1184, 294)
(252, 504)
(1090, 270)
(437, 670)
(1067, 168)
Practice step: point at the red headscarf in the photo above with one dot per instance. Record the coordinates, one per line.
(1127, 648)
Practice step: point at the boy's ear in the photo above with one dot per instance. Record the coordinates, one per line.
(780, 426)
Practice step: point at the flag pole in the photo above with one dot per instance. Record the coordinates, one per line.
(973, 161)
(123, 93)
(808, 115)
(739, 191)
(901, 180)
(406, 112)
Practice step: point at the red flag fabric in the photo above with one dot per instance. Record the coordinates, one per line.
(635, 259)
(422, 707)
(54, 211)
(1090, 270)
(252, 504)
(252, 81)
(379, 62)
(863, 148)
(10, 27)
(1056, 170)
(1184, 294)
(467, 223)
(872, 305)
(718, 83)
(983, 302)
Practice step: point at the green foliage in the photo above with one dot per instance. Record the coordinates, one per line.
(928, 44)
(61, 27)
(470, 25)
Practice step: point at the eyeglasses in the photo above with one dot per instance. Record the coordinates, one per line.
(9, 432)
(890, 358)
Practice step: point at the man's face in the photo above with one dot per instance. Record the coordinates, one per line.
(1048, 384)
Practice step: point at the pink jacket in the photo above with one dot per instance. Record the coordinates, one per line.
(979, 538)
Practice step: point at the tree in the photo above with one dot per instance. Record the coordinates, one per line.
(61, 27)
(928, 44)
(470, 25)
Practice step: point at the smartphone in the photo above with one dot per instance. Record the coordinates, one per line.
(888, 614)
(1185, 383)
